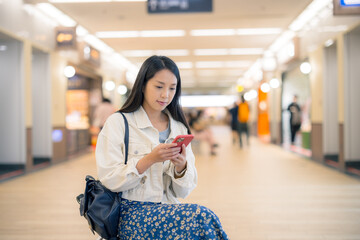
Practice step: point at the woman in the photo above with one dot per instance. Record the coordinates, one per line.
(156, 173)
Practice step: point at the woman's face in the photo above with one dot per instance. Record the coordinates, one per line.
(159, 91)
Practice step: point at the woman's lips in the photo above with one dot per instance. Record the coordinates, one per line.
(162, 103)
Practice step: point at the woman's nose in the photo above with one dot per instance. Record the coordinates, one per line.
(165, 93)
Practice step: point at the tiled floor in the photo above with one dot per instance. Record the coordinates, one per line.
(261, 192)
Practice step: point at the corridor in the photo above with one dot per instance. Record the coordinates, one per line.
(261, 192)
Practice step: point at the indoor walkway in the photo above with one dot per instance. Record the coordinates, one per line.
(261, 192)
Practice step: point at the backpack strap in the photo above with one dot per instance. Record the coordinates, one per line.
(126, 138)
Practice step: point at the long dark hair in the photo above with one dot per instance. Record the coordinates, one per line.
(149, 68)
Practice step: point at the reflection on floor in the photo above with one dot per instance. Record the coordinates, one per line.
(259, 192)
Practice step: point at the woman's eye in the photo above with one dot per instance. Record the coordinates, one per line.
(158, 87)
(172, 89)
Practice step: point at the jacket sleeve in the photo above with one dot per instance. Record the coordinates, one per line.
(183, 186)
(110, 158)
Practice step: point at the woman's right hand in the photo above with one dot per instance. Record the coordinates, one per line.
(163, 152)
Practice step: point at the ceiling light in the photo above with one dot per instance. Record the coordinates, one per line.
(122, 89)
(56, 14)
(118, 34)
(246, 51)
(329, 42)
(163, 33)
(258, 31)
(311, 11)
(265, 87)
(237, 64)
(97, 43)
(250, 95)
(305, 68)
(184, 65)
(81, 31)
(282, 40)
(213, 32)
(69, 71)
(109, 85)
(133, 34)
(173, 52)
(209, 52)
(209, 64)
(138, 53)
(274, 83)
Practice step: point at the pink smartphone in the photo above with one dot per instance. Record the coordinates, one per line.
(183, 139)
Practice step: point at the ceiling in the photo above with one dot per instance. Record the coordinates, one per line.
(226, 14)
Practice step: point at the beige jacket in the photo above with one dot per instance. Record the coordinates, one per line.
(156, 184)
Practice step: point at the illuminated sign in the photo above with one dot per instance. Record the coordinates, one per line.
(65, 38)
(350, 3)
(179, 6)
(346, 7)
(57, 135)
(90, 55)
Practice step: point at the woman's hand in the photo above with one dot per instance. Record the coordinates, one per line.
(180, 160)
(164, 151)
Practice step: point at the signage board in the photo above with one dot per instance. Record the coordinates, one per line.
(179, 6)
(65, 38)
(90, 55)
(346, 7)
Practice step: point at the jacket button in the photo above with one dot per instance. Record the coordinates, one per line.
(136, 152)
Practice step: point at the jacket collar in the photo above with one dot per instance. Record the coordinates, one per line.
(142, 120)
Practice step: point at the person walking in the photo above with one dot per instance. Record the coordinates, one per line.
(234, 112)
(295, 118)
(156, 174)
(243, 117)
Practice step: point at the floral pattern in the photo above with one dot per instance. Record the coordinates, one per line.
(148, 220)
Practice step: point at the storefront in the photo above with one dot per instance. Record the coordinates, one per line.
(296, 83)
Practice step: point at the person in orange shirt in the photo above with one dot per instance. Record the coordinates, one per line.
(243, 117)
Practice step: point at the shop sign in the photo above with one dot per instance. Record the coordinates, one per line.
(346, 7)
(65, 38)
(78, 82)
(179, 6)
(350, 3)
(90, 55)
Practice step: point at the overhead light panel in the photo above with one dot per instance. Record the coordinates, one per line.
(246, 51)
(137, 53)
(209, 64)
(184, 65)
(134, 34)
(309, 13)
(210, 52)
(163, 33)
(118, 34)
(147, 53)
(172, 52)
(258, 31)
(56, 14)
(213, 32)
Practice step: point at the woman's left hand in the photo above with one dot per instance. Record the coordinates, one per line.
(180, 160)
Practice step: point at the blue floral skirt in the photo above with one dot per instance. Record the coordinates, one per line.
(148, 220)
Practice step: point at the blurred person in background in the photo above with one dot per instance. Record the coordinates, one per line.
(243, 118)
(102, 112)
(295, 118)
(234, 121)
(200, 127)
